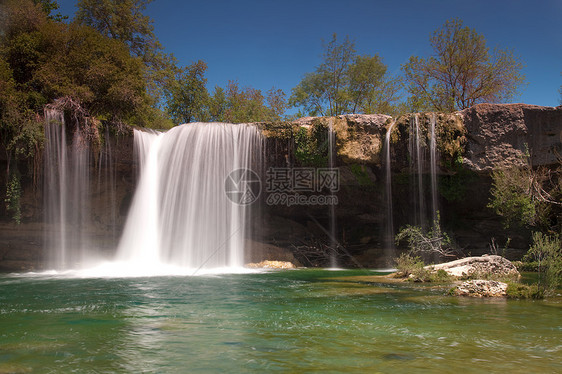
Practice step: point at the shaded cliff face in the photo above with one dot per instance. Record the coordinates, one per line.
(469, 145)
(502, 135)
(112, 170)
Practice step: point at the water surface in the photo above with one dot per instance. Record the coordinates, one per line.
(289, 321)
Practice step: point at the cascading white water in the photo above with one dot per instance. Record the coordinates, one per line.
(67, 186)
(181, 214)
(389, 235)
(416, 167)
(333, 228)
(433, 167)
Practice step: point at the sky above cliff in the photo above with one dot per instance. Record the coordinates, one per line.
(265, 43)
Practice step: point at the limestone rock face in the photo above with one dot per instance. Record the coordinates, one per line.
(360, 137)
(479, 266)
(481, 288)
(500, 135)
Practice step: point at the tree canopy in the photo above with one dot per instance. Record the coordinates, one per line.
(124, 20)
(42, 60)
(462, 71)
(238, 105)
(188, 97)
(346, 83)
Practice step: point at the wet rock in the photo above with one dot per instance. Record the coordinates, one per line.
(481, 288)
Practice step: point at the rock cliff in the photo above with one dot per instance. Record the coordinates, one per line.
(470, 144)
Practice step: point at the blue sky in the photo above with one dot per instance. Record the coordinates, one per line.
(274, 43)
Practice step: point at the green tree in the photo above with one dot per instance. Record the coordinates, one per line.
(240, 105)
(371, 90)
(345, 83)
(217, 105)
(48, 60)
(277, 103)
(49, 6)
(324, 91)
(124, 20)
(462, 72)
(188, 99)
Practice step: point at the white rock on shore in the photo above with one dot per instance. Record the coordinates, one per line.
(478, 266)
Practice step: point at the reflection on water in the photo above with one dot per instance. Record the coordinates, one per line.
(292, 321)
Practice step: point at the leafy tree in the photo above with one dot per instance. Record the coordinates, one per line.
(48, 60)
(244, 104)
(277, 103)
(238, 105)
(21, 49)
(49, 6)
(462, 72)
(371, 90)
(345, 82)
(124, 20)
(217, 105)
(188, 98)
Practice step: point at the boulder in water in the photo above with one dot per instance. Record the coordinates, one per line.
(481, 288)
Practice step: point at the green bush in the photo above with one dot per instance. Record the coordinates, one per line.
(409, 265)
(311, 147)
(546, 251)
(523, 291)
(12, 200)
(526, 265)
(441, 276)
(428, 243)
(414, 269)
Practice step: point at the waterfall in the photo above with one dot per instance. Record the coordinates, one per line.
(389, 236)
(333, 227)
(66, 196)
(191, 205)
(433, 167)
(107, 186)
(416, 167)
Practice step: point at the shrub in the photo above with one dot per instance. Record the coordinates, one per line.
(427, 243)
(12, 200)
(546, 250)
(414, 269)
(409, 265)
(523, 291)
